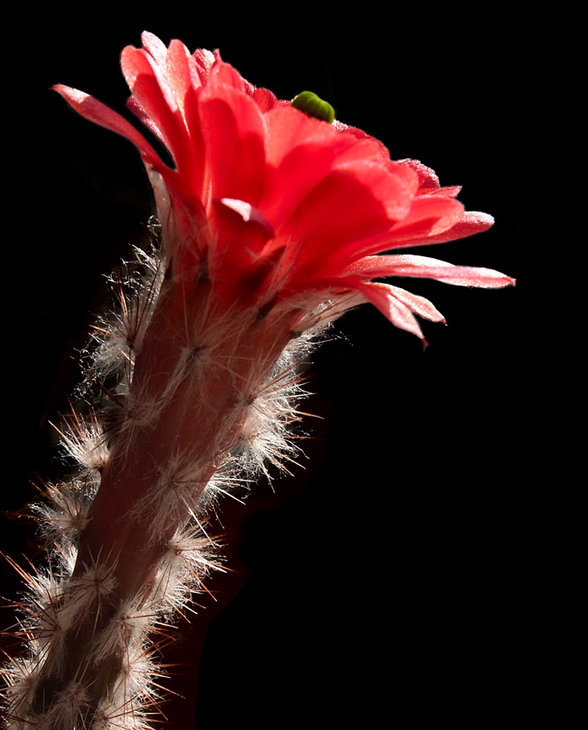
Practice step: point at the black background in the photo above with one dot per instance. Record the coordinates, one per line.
(395, 579)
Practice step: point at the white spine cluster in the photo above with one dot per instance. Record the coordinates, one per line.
(74, 600)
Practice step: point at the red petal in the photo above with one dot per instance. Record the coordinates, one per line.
(423, 232)
(247, 214)
(445, 212)
(302, 151)
(204, 62)
(242, 233)
(298, 173)
(428, 180)
(382, 296)
(154, 47)
(99, 113)
(352, 202)
(186, 82)
(288, 128)
(224, 73)
(379, 148)
(417, 304)
(470, 223)
(147, 81)
(265, 99)
(236, 265)
(425, 267)
(432, 219)
(181, 72)
(152, 99)
(233, 134)
(451, 192)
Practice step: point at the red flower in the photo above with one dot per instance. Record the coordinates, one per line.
(276, 206)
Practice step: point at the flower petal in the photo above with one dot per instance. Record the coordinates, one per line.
(435, 213)
(238, 267)
(204, 60)
(288, 128)
(241, 232)
(352, 202)
(447, 222)
(233, 132)
(181, 73)
(468, 224)
(300, 152)
(154, 46)
(430, 268)
(265, 99)
(397, 311)
(99, 113)
(428, 180)
(152, 99)
(186, 81)
(224, 73)
(417, 304)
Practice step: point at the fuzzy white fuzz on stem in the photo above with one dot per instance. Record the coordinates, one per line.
(191, 400)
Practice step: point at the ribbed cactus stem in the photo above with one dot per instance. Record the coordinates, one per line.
(208, 392)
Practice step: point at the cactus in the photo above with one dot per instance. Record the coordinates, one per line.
(269, 228)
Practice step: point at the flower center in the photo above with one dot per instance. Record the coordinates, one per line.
(312, 105)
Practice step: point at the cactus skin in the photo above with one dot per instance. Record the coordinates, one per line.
(204, 399)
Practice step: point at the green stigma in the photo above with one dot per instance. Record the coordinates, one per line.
(312, 105)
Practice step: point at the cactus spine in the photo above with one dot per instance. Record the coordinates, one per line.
(193, 399)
